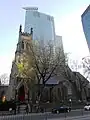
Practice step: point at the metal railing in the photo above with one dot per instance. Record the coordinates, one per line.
(45, 115)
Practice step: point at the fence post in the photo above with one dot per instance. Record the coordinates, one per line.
(45, 114)
(82, 112)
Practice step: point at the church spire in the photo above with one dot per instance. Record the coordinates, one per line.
(20, 28)
(31, 31)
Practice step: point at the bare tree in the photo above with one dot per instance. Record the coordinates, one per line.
(74, 65)
(46, 60)
(86, 66)
(43, 61)
(4, 78)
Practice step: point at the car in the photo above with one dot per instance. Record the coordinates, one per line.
(87, 107)
(61, 109)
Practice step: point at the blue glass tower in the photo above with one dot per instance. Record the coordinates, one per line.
(86, 24)
(42, 24)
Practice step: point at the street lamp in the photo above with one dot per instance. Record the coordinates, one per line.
(4, 98)
(70, 100)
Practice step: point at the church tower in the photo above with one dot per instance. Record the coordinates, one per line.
(22, 46)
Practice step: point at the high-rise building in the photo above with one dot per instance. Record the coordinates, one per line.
(42, 24)
(86, 24)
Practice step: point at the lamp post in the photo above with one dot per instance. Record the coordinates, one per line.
(70, 100)
(15, 99)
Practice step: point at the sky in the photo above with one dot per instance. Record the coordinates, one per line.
(67, 16)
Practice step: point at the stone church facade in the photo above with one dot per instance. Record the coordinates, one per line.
(53, 91)
(22, 45)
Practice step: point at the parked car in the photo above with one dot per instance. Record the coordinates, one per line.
(61, 109)
(87, 107)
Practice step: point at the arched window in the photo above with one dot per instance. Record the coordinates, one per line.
(27, 46)
(22, 45)
(59, 93)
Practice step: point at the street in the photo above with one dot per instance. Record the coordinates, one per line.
(73, 115)
(85, 117)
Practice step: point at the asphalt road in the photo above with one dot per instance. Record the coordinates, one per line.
(85, 117)
(73, 115)
(77, 114)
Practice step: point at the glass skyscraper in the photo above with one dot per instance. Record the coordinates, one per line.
(42, 24)
(86, 25)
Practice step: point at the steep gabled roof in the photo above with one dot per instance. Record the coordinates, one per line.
(81, 77)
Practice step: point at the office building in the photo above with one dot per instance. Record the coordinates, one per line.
(42, 24)
(86, 24)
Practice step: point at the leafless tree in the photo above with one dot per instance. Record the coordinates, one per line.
(46, 60)
(43, 61)
(86, 66)
(74, 65)
(4, 79)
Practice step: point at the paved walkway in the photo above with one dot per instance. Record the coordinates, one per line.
(85, 117)
(42, 117)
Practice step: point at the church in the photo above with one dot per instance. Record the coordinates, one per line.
(53, 91)
(15, 83)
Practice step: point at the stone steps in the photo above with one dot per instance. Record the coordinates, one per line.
(22, 109)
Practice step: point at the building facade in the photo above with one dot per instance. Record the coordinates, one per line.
(22, 46)
(86, 25)
(42, 24)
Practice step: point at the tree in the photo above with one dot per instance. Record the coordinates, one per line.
(25, 71)
(46, 61)
(42, 60)
(4, 79)
(75, 65)
(86, 66)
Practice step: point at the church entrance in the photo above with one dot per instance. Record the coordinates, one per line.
(21, 94)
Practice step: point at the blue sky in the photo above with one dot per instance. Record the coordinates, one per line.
(67, 14)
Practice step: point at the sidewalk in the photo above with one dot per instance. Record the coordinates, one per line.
(84, 117)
